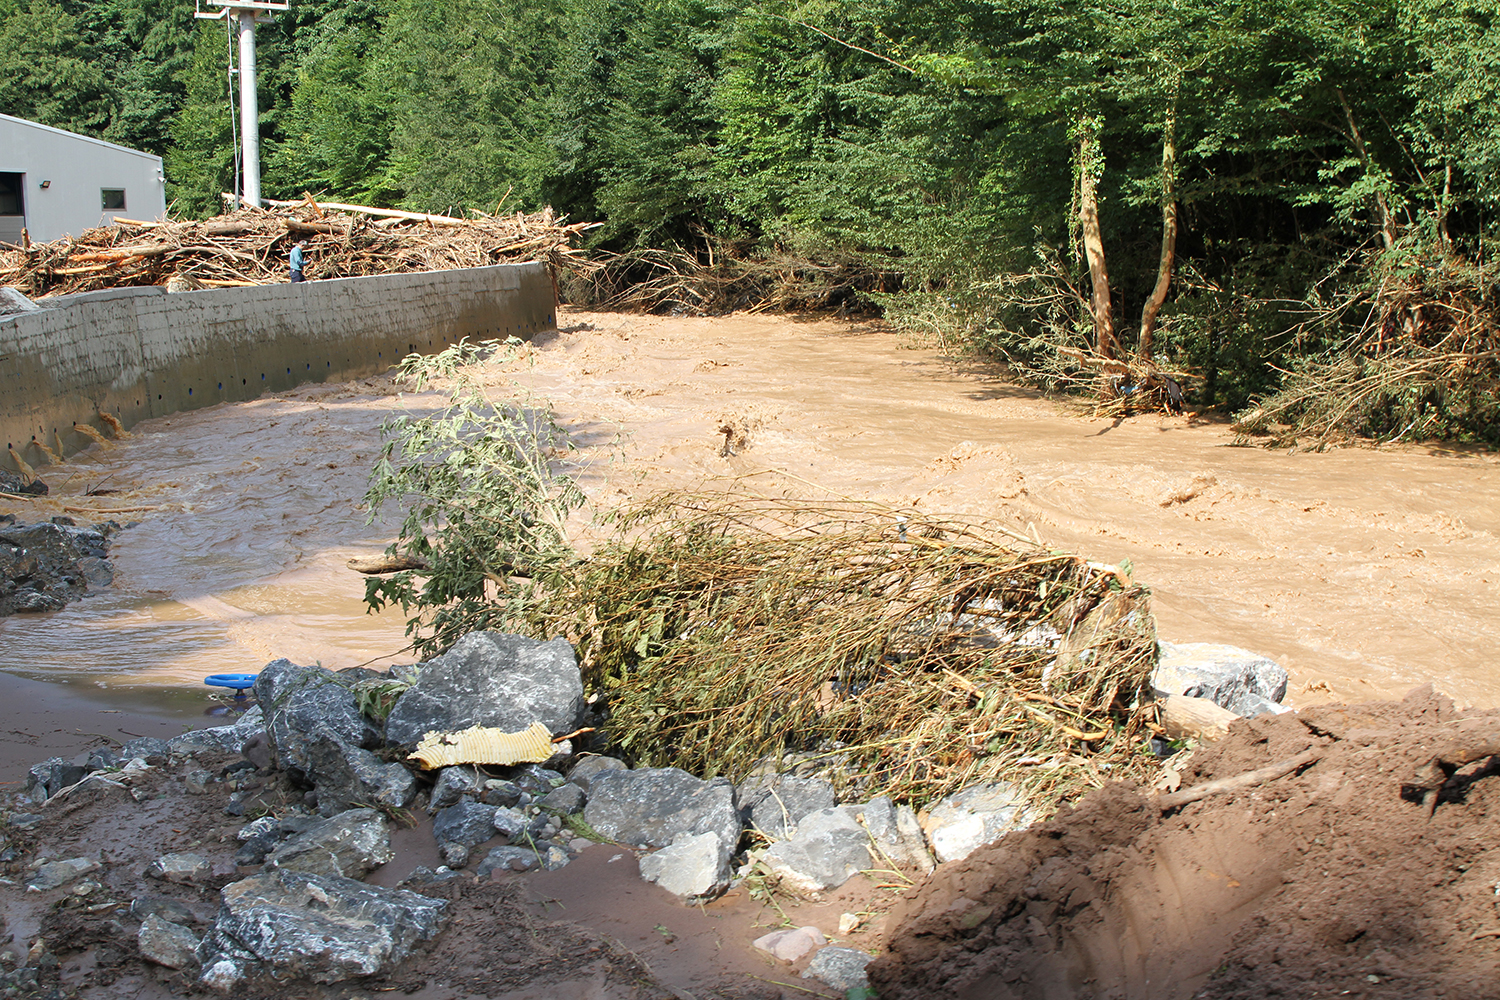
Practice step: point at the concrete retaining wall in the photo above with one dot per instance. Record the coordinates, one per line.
(144, 352)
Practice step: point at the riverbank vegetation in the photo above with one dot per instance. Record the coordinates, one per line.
(1287, 207)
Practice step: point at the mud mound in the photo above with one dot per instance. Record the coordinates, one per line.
(1324, 882)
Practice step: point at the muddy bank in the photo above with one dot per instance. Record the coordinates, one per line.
(1324, 882)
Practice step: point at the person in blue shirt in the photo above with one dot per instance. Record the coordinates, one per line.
(296, 262)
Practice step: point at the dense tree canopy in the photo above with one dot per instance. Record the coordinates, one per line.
(1182, 180)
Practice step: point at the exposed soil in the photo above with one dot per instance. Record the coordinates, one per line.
(1323, 883)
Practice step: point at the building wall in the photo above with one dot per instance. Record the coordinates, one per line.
(77, 169)
(145, 352)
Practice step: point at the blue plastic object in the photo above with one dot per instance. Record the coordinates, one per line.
(237, 681)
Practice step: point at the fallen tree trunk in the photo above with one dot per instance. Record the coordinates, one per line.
(375, 565)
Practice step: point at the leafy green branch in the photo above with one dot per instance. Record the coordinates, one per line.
(486, 499)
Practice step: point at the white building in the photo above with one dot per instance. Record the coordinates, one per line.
(55, 183)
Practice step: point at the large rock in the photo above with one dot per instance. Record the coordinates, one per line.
(895, 833)
(351, 844)
(454, 783)
(1236, 679)
(774, 804)
(652, 807)
(467, 823)
(492, 679)
(39, 568)
(220, 739)
(841, 968)
(346, 775)
(965, 821)
(303, 703)
(56, 874)
(46, 779)
(294, 925)
(166, 943)
(585, 770)
(829, 848)
(696, 866)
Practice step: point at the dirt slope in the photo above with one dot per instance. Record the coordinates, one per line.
(1326, 882)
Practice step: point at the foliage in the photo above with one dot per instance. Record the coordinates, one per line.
(859, 149)
(484, 495)
(917, 656)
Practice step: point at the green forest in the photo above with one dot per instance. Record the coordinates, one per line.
(1288, 205)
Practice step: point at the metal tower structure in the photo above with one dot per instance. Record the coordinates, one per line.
(245, 14)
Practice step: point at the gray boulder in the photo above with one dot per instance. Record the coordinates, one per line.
(56, 874)
(180, 869)
(302, 702)
(564, 801)
(513, 823)
(967, 820)
(166, 943)
(326, 929)
(220, 739)
(775, 803)
(147, 748)
(346, 775)
(499, 792)
(1245, 683)
(46, 779)
(829, 848)
(351, 844)
(652, 807)
(895, 832)
(584, 771)
(454, 783)
(841, 968)
(492, 679)
(466, 822)
(695, 866)
(39, 568)
(511, 859)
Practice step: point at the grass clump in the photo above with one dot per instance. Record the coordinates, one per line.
(916, 656)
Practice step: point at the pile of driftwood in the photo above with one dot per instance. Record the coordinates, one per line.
(250, 247)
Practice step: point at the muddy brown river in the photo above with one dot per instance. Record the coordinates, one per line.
(1365, 572)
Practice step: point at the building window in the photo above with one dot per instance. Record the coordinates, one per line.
(113, 198)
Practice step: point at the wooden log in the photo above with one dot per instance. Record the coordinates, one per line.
(374, 565)
(1249, 779)
(310, 228)
(383, 213)
(236, 228)
(1194, 718)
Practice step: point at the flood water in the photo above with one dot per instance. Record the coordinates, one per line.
(1365, 572)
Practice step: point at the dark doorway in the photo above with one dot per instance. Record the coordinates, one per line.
(12, 207)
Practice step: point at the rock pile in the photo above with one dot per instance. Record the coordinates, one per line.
(44, 566)
(293, 903)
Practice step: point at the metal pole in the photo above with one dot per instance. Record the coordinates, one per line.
(249, 110)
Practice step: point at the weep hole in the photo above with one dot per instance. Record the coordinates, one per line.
(915, 655)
